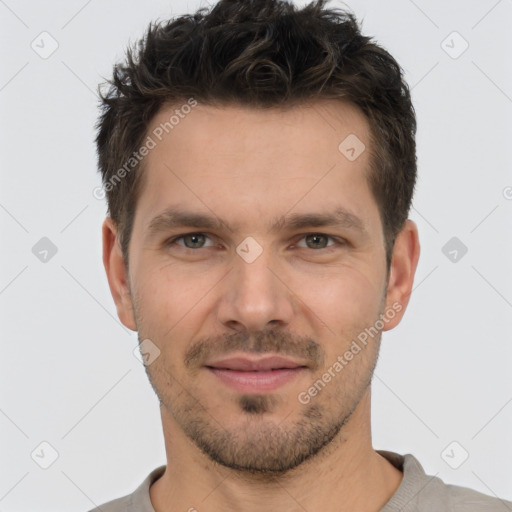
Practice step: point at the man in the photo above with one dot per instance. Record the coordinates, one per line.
(259, 164)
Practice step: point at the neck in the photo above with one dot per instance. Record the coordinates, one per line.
(346, 475)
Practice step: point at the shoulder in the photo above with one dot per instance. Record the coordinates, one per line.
(420, 492)
(453, 498)
(137, 501)
(117, 505)
(463, 499)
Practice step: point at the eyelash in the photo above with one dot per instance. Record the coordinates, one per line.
(339, 241)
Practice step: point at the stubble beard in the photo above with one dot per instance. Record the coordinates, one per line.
(258, 445)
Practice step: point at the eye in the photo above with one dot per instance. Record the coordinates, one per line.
(194, 241)
(316, 241)
(190, 240)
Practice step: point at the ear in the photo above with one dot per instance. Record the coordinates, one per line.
(116, 274)
(406, 252)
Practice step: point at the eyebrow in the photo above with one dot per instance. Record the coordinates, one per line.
(172, 218)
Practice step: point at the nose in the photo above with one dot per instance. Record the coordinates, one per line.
(255, 295)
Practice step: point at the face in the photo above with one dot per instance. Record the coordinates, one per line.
(256, 236)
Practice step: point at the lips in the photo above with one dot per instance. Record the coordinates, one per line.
(245, 364)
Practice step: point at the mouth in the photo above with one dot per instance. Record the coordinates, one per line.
(268, 363)
(256, 376)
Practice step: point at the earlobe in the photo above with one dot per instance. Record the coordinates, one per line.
(115, 268)
(406, 252)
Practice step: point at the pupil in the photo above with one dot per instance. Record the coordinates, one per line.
(194, 239)
(316, 238)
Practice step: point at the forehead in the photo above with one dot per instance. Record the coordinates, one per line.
(218, 157)
(310, 127)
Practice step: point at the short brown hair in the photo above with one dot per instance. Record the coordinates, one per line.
(259, 53)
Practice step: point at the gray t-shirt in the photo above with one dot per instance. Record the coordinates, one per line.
(417, 492)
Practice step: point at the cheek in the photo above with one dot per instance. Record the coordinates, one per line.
(344, 298)
(169, 302)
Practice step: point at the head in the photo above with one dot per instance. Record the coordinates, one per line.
(230, 143)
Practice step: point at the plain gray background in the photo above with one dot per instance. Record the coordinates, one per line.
(68, 373)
